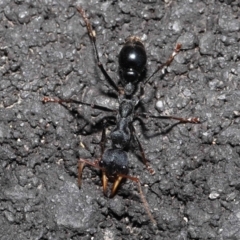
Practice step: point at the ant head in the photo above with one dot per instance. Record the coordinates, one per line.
(132, 62)
(114, 162)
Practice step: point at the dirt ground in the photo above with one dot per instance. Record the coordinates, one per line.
(45, 51)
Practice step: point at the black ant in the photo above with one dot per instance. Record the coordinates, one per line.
(132, 64)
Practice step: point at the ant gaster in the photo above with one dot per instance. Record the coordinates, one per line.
(132, 63)
(114, 161)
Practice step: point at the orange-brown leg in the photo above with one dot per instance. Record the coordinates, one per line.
(81, 164)
(104, 182)
(95, 164)
(136, 180)
(80, 169)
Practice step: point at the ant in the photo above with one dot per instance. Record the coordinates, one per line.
(113, 162)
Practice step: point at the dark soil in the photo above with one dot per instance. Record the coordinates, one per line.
(45, 51)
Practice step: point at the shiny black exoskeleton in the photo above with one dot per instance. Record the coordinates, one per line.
(132, 65)
(114, 161)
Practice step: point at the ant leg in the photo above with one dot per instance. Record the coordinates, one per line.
(167, 63)
(95, 164)
(81, 164)
(92, 35)
(61, 101)
(102, 144)
(181, 120)
(103, 138)
(145, 161)
(137, 181)
(138, 117)
(161, 67)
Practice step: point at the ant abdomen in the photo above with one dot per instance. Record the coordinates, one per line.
(132, 61)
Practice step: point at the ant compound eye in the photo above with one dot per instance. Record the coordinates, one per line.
(101, 163)
(124, 169)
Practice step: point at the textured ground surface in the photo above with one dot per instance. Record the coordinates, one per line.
(45, 51)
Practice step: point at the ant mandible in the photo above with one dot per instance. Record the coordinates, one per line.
(114, 161)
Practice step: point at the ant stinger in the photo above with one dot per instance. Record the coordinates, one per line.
(113, 162)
